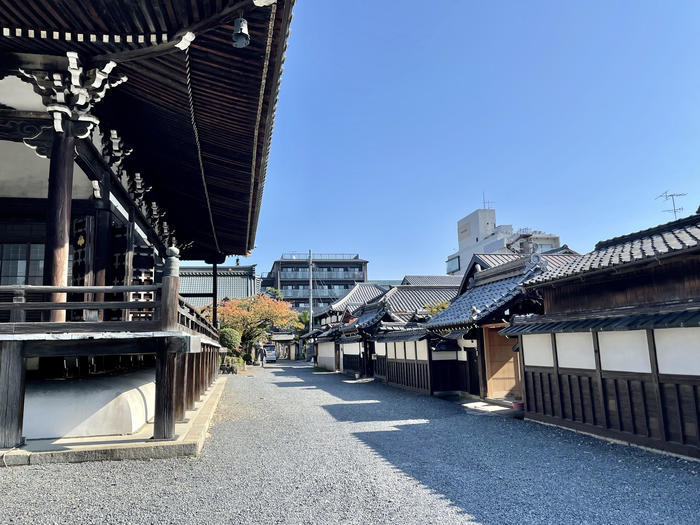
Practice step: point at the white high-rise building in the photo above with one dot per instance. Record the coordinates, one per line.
(479, 233)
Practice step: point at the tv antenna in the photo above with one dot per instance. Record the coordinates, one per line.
(672, 197)
(487, 205)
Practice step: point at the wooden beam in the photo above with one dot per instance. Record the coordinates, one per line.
(656, 384)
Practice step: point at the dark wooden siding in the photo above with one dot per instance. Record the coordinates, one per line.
(671, 281)
(380, 367)
(449, 376)
(619, 405)
(351, 363)
(410, 374)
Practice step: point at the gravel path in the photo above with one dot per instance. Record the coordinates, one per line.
(292, 446)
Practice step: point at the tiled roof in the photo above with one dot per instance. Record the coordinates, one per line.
(432, 280)
(410, 299)
(360, 294)
(489, 260)
(368, 316)
(660, 241)
(477, 302)
(233, 282)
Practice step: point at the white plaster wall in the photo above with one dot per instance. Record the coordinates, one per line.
(411, 350)
(20, 95)
(326, 355)
(678, 350)
(575, 350)
(400, 353)
(391, 350)
(96, 406)
(23, 174)
(624, 351)
(461, 354)
(537, 350)
(380, 349)
(422, 350)
(351, 348)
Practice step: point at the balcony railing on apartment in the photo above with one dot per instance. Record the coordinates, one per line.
(300, 256)
(288, 294)
(321, 275)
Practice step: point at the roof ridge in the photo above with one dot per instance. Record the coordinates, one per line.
(649, 232)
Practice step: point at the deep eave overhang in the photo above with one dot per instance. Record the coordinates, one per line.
(211, 102)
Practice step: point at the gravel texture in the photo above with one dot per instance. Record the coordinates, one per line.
(289, 445)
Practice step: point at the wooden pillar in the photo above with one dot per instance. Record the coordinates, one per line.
(180, 386)
(103, 249)
(481, 362)
(164, 419)
(190, 383)
(521, 358)
(600, 384)
(214, 293)
(58, 218)
(198, 376)
(12, 373)
(170, 291)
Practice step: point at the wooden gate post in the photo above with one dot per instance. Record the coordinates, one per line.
(12, 372)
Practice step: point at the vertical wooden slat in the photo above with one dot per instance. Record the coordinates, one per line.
(190, 382)
(557, 382)
(180, 386)
(656, 385)
(599, 383)
(679, 411)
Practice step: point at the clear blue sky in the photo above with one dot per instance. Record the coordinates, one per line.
(394, 117)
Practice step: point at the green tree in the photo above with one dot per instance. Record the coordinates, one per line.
(229, 338)
(275, 293)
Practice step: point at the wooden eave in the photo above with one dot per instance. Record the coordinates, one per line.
(213, 101)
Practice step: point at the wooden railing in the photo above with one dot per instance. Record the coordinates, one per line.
(194, 322)
(166, 312)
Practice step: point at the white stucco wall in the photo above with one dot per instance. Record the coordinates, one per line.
(326, 355)
(391, 350)
(400, 352)
(380, 349)
(97, 406)
(351, 348)
(23, 174)
(445, 355)
(678, 350)
(411, 350)
(624, 351)
(575, 350)
(537, 350)
(422, 350)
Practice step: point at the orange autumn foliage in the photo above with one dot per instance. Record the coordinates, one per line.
(254, 316)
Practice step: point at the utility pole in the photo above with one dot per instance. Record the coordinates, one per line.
(311, 301)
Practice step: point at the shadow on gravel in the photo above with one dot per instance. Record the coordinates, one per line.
(500, 470)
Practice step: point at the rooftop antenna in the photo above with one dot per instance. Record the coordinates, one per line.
(672, 197)
(487, 205)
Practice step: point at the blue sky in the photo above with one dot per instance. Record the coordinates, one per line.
(394, 117)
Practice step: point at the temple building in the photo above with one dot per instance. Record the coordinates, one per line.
(129, 137)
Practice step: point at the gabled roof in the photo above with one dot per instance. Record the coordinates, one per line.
(360, 294)
(408, 299)
(661, 241)
(476, 303)
(432, 280)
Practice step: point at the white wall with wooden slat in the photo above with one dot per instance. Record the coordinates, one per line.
(575, 350)
(624, 351)
(537, 350)
(326, 355)
(380, 349)
(410, 350)
(678, 350)
(351, 348)
(422, 350)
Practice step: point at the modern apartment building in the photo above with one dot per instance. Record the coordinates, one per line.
(334, 275)
(479, 233)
